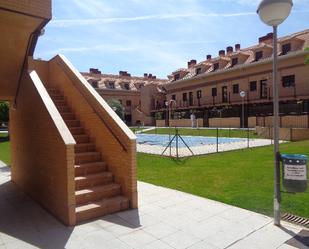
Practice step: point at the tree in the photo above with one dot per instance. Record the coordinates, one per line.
(307, 59)
(4, 112)
(117, 107)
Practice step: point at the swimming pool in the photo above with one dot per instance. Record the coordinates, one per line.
(163, 140)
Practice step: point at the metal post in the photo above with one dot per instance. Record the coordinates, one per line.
(248, 136)
(277, 194)
(243, 113)
(169, 126)
(217, 140)
(177, 143)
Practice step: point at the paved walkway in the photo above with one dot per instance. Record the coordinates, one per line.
(165, 219)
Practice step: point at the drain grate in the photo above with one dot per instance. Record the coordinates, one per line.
(296, 219)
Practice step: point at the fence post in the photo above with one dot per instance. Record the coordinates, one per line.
(217, 139)
(248, 136)
(176, 143)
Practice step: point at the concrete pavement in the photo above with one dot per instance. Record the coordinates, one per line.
(165, 219)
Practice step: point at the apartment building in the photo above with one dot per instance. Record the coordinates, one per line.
(138, 95)
(211, 89)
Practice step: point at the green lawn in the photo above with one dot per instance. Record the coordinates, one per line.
(4, 149)
(206, 132)
(134, 129)
(241, 178)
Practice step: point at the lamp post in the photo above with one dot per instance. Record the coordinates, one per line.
(273, 13)
(243, 95)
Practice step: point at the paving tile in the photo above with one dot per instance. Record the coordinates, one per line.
(20, 244)
(222, 239)
(206, 228)
(285, 246)
(121, 229)
(203, 245)
(158, 244)
(137, 238)
(160, 230)
(110, 220)
(180, 240)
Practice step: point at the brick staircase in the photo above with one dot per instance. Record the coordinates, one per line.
(95, 190)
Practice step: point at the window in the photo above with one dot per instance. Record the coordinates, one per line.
(199, 94)
(120, 101)
(258, 55)
(214, 92)
(235, 88)
(173, 97)
(286, 48)
(127, 86)
(234, 61)
(190, 98)
(177, 76)
(184, 97)
(288, 81)
(111, 85)
(263, 89)
(253, 86)
(198, 70)
(216, 66)
(128, 103)
(224, 94)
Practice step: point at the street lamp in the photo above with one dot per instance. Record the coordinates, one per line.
(273, 13)
(243, 95)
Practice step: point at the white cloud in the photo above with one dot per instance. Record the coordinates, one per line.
(97, 21)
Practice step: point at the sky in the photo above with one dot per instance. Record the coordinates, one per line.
(154, 36)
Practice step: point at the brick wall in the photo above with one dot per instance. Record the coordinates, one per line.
(42, 151)
(224, 122)
(287, 134)
(41, 8)
(96, 116)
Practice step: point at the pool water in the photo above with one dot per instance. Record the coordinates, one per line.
(163, 140)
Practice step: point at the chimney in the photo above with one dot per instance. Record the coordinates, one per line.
(154, 77)
(208, 57)
(145, 75)
(150, 76)
(222, 53)
(267, 38)
(191, 63)
(124, 73)
(229, 50)
(237, 47)
(94, 71)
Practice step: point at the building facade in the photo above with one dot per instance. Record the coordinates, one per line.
(138, 95)
(211, 89)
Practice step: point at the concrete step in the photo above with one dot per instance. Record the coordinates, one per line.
(90, 168)
(72, 123)
(64, 109)
(67, 116)
(100, 208)
(84, 147)
(81, 138)
(98, 193)
(87, 157)
(51, 90)
(88, 181)
(59, 102)
(56, 96)
(77, 130)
